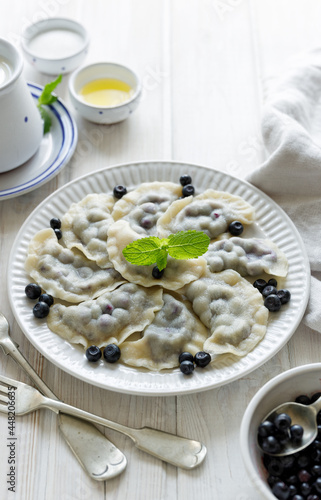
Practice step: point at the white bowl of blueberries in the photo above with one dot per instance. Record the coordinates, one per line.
(289, 477)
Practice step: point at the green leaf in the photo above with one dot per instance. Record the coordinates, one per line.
(46, 96)
(143, 252)
(46, 119)
(187, 244)
(161, 259)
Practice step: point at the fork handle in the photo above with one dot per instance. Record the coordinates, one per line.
(83, 439)
(176, 450)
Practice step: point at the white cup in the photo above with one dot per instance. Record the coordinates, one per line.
(21, 126)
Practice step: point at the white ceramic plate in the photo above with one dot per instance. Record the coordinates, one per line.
(272, 222)
(55, 150)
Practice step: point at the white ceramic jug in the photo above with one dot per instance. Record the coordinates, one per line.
(21, 127)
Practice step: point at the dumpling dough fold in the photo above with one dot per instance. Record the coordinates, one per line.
(232, 309)
(143, 206)
(85, 226)
(211, 212)
(110, 318)
(247, 256)
(67, 274)
(175, 329)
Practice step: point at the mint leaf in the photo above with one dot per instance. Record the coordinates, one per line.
(143, 252)
(161, 260)
(47, 98)
(187, 244)
(46, 119)
(151, 250)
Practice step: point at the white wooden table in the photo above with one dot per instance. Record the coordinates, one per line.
(204, 65)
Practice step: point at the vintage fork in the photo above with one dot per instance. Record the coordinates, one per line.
(178, 451)
(83, 438)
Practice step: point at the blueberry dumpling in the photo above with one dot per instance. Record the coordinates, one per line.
(110, 318)
(211, 212)
(66, 273)
(175, 329)
(232, 309)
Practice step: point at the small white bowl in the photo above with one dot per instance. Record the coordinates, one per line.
(104, 114)
(55, 45)
(285, 387)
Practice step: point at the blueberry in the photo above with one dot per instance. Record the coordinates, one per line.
(236, 228)
(292, 490)
(266, 428)
(186, 367)
(185, 179)
(269, 290)
(33, 291)
(272, 303)
(55, 223)
(48, 299)
(298, 497)
(302, 461)
(119, 191)
(316, 456)
(271, 445)
(146, 223)
(41, 310)
(284, 296)
(316, 470)
(157, 274)
(293, 479)
(276, 468)
(185, 356)
(305, 489)
(202, 359)
(58, 233)
(112, 353)
(296, 431)
(304, 476)
(93, 353)
(260, 284)
(272, 282)
(315, 396)
(303, 399)
(282, 421)
(281, 490)
(282, 436)
(317, 484)
(272, 480)
(188, 190)
(316, 445)
(288, 462)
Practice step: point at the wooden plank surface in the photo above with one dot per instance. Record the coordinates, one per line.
(204, 67)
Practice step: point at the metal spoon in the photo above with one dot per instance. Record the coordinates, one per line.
(304, 415)
(99, 457)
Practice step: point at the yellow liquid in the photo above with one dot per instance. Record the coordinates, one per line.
(106, 92)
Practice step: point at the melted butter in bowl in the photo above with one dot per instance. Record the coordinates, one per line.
(105, 93)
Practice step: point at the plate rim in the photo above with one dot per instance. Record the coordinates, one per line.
(58, 163)
(160, 391)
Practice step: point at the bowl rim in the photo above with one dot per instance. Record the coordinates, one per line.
(94, 107)
(48, 24)
(17, 70)
(258, 482)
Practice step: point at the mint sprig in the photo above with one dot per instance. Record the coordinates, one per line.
(153, 250)
(45, 99)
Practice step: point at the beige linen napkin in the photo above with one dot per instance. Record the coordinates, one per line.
(291, 174)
